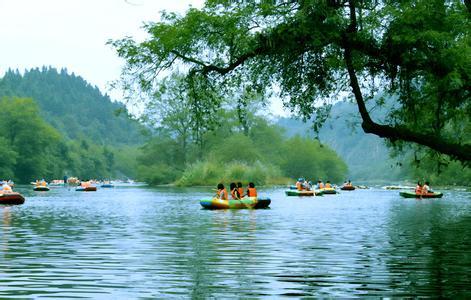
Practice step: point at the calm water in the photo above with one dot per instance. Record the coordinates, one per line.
(159, 243)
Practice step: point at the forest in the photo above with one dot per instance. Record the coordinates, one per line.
(312, 54)
(55, 124)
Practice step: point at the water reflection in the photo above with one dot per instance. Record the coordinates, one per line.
(160, 244)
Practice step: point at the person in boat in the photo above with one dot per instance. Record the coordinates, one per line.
(240, 189)
(426, 188)
(6, 189)
(251, 191)
(299, 184)
(418, 188)
(221, 192)
(306, 186)
(234, 191)
(320, 184)
(349, 183)
(328, 185)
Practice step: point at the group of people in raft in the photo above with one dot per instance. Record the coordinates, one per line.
(237, 191)
(422, 189)
(304, 185)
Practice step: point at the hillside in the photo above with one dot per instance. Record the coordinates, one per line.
(366, 155)
(73, 106)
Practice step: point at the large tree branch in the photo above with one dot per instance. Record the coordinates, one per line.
(457, 151)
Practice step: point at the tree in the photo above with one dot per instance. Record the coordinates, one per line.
(29, 137)
(313, 50)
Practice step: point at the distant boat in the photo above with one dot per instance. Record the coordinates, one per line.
(107, 185)
(86, 189)
(41, 188)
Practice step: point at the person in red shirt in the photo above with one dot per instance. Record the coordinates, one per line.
(251, 191)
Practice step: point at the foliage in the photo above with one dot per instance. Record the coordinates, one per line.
(32, 149)
(73, 106)
(315, 50)
(230, 155)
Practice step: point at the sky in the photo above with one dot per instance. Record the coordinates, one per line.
(72, 34)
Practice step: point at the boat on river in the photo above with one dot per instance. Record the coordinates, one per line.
(347, 188)
(12, 198)
(41, 188)
(414, 195)
(329, 191)
(86, 189)
(247, 202)
(304, 193)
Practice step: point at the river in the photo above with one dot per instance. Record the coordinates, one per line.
(145, 242)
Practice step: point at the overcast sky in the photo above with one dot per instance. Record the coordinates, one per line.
(72, 34)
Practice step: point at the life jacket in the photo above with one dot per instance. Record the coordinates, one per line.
(222, 194)
(418, 189)
(251, 192)
(299, 186)
(235, 193)
(328, 186)
(241, 191)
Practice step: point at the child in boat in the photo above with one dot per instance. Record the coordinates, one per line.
(221, 192)
(328, 185)
(234, 191)
(240, 189)
(6, 189)
(320, 185)
(426, 188)
(251, 191)
(418, 188)
(299, 184)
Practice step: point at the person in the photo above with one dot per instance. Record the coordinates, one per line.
(240, 189)
(426, 188)
(306, 185)
(234, 191)
(328, 185)
(320, 184)
(251, 191)
(221, 192)
(299, 184)
(418, 188)
(349, 183)
(6, 189)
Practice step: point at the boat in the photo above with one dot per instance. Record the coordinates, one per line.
(12, 198)
(41, 188)
(107, 185)
(347, 188)
(86, 189)
(329, 191)
(414, 195)
(304, 193)
(247, 202)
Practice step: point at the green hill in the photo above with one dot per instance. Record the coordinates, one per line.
(73, 106)
(366, 155)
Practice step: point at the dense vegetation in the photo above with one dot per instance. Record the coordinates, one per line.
(312, 51)
(49, 141)
(263, 156)
(74, 107)
(369, 158)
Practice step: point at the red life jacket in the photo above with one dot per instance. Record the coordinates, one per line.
(251, 192)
